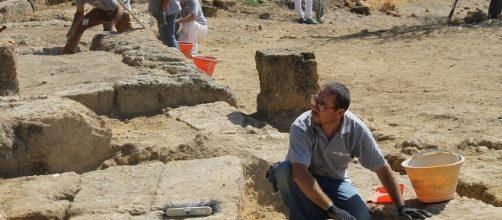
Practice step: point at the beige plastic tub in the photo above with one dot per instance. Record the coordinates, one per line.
(434, 175)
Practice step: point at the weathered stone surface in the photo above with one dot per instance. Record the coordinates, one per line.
(221, 178)
(38, 197)
(140, 48)
(296, 70)
(99, 97)
(8, 70)
(147, 94)
(49, 74)
(228, 127)
(50, 135)
(126, 192)
(11, 8)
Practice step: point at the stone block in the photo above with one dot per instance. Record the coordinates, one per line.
(8, 69)
(288, 78)
(148, 94)
(50, 135)
(99, 97)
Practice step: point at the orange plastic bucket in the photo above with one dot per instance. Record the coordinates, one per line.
(206, 64)
(434, 176)
(186, 48)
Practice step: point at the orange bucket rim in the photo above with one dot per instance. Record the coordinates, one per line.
(206, 57)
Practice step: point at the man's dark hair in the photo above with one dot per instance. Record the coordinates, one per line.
(341, 93)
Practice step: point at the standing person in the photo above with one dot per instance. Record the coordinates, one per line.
(193, 24)
(165, 12)
(494, 9)
(109, 13)
(313, 180)
(304, 18)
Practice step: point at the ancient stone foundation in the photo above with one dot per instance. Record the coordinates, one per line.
(8, 75)
(288, 78)
(50, 135)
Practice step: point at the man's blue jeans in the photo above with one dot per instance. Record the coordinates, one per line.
(343, 194)
(167, 31)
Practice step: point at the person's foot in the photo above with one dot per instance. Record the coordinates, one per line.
(302, 20)
(311, 21)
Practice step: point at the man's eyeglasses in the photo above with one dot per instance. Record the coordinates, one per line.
(320, 105)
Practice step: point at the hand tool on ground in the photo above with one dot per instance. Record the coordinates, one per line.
(200, 208)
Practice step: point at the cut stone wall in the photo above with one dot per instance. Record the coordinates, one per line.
(50, 135)
(8, 74)
(148, 94)
(288, 78)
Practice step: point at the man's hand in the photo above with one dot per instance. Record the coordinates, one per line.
(338, 214)
(413, 213)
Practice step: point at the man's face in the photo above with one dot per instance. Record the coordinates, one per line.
(323, 108)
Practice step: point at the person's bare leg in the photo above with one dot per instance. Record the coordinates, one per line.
(91, 19)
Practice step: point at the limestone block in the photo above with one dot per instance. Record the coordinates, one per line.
(147, 94)
(140, 48)
(99, 97)
(228, 127)
(121, 189)
(8, 70)
(11, 8)
(220, 178)
(139, 192)
(126, 192)
(288, 78)
(38, 197)
(50, 135)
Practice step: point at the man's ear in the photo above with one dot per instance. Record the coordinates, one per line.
(339, 112)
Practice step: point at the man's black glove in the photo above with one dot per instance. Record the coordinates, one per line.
(338, 214)
(413, 213)
(270, 175)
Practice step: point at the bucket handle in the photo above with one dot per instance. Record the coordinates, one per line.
(435, 150)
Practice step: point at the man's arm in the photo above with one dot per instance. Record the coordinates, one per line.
(77, 19)
(309, 186)
(386, 176)
(164, 4)
(186, 19)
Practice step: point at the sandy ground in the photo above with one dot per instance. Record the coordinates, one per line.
(411, 77)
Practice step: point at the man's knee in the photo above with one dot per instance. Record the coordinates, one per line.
(283, 173)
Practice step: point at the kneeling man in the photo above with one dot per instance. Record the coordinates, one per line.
(109, 13)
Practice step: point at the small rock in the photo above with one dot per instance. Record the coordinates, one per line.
(260, 27)
(409, 150)
(475, 17)
(482, 149)
(413, 15)
(265, 16)
(427, 10)
(362, 10)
